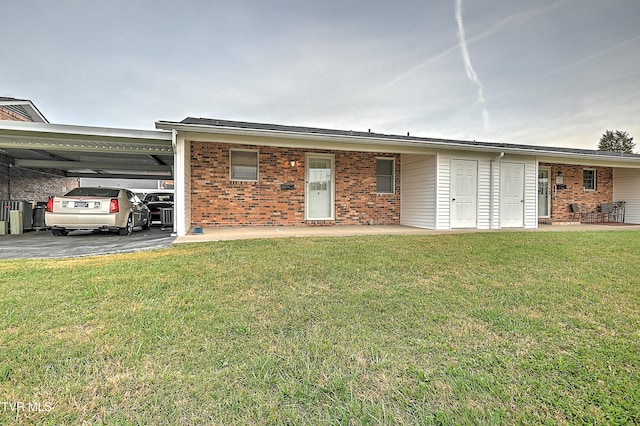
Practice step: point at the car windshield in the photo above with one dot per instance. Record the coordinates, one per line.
(154, 198)
(94, 192)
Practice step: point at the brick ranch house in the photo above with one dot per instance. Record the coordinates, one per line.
(230, 173)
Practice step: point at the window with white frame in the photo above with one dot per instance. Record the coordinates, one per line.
(385, 175)
(244, 164)
(589, 179)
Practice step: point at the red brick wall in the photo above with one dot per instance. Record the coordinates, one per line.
(216, 201)
(6, 163)
(17, 183)
(39, 185)
(574, 193)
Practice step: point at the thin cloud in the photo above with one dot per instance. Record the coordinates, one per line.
(420, 65)
(473, 77)
(583, 60)
(559, 70)
(519, 18)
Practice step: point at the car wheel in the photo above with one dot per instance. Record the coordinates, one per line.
(127, 230)
(146, 222)
(59, 232)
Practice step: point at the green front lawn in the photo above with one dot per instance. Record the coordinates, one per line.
(458, 328)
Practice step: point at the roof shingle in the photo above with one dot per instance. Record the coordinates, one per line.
(211, 122)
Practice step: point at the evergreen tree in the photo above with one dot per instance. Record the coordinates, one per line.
(616, 141)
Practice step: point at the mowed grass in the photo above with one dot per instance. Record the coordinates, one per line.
(497, 328)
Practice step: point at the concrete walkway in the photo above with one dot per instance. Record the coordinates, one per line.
(253, 232)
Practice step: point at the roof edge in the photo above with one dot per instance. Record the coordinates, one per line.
(67, 129)
(214, 126)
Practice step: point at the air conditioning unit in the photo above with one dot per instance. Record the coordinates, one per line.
(166, 218)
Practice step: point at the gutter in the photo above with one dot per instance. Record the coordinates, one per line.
(350, 139)
(393, 141)
(56, 131)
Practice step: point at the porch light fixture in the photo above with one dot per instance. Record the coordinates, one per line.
(292, 163)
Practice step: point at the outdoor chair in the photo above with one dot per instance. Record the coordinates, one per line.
(581, 214)
(617, 215)
(606, 212)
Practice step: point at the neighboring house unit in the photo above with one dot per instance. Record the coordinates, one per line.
(13, 109)
(19, 183)
(39, 159)
(230, 173)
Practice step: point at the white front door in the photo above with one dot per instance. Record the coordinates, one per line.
(464, 197)
(512, 195)
(319, 194)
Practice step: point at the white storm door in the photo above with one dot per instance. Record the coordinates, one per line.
(512, 195)
(464, 196)
(544, 191)
(319, 189)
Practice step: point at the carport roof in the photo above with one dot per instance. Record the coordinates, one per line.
(82, 151)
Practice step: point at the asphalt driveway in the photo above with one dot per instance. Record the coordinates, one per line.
(41, 244)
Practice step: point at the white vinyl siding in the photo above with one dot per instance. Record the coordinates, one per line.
(418, 195)
(443, 185)
(626, 187)
(488, 205)
(530, 192)
(494, 194)
(484, 193)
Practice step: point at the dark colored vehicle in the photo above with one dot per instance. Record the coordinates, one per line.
(156, 201)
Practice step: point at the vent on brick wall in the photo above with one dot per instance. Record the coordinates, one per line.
(19, 110)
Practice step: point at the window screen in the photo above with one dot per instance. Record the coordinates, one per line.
(589, 179)
(385, 175)
(244, 165)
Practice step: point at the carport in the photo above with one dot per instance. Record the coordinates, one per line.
(70, 151)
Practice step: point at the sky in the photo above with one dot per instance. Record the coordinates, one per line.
(538, 72)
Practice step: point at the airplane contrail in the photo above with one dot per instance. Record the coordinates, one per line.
(473, 77)
(519, 18)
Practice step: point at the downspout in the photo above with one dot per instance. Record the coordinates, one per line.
(492, 190)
